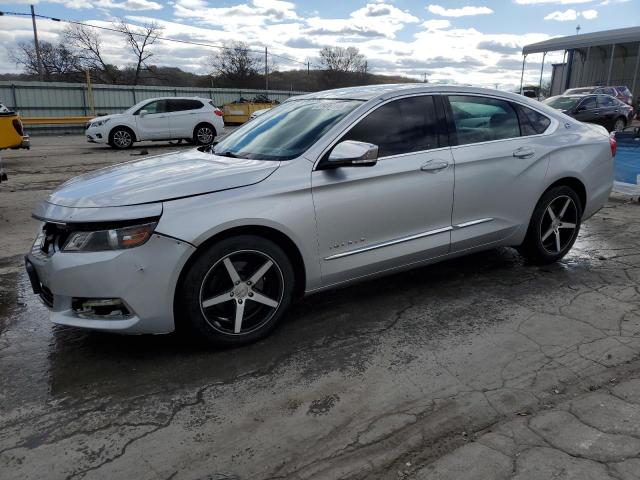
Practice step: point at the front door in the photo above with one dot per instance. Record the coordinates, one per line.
(396, 212)
(587, 111)
(154, 123)
(501, 158)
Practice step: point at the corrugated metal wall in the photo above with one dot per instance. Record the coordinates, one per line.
(594, 69)
(53, 99)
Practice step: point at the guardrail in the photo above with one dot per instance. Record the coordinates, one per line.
(55, 120)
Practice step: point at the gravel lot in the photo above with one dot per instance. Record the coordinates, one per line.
(482, 367)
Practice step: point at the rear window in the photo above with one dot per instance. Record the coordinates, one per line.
(180, 104)
(483, 119)
(532, 122)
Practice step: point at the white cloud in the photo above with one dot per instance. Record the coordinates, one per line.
(546, 2)
(436, 24)
(565, 16)
(131, 5)
(258, 12)
(371, 21)
(571, 14)
(458, 12)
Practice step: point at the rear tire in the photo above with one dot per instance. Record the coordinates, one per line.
(121, 138)
(554, 226)
(620, 124)
(204, 134)
(237, 290)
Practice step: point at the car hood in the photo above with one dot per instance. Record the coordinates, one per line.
(160, 178)
(107, 117)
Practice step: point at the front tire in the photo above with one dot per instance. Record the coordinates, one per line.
(554, 226)
(121, 138)
(237, 290)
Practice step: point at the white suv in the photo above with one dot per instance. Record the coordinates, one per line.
(190, 118)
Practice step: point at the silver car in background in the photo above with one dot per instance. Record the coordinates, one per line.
(325, 189)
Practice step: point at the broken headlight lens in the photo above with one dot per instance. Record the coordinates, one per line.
(114, 239)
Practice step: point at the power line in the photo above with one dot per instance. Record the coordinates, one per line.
(166, 39)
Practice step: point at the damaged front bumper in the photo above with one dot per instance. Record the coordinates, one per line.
(126, 291)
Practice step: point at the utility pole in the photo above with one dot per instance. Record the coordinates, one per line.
(37, 44)
(266, 70)
(308, 68)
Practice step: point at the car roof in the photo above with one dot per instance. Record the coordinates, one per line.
(371, 92)
(174, 98)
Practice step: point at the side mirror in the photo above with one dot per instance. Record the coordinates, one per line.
(142, 113)
(351, 153)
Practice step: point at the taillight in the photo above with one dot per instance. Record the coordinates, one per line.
(217, 111)
(613, 144)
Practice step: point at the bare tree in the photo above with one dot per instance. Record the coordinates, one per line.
(343, 66)
(87, 46)
(58, 62)
(340, 59)
(236, 62)
(139, 40)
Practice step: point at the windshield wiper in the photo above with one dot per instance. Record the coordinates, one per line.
(226, 154)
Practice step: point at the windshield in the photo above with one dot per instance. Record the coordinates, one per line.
(287, 131)
(562, 103)
(573, 91)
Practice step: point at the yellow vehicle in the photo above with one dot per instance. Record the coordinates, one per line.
(11, 131)
(11, 134)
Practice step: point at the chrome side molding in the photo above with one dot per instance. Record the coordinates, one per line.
(416, 236)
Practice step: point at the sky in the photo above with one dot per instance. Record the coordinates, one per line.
(477, 42)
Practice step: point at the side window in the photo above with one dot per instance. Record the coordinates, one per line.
(532, 122)
(157, 106)
(482, 119)
(588, 103)
(179, 105)
(402, 126)
(605, 101)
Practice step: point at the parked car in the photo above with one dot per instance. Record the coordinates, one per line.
(603, 110)
(320, 192)
(257, 113)
(175, 118)
(622, 93)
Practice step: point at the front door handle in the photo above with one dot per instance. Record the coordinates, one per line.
(434, 166)
(524, 152)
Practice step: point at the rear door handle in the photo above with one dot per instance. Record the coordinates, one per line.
(524, 152)
(434, 166)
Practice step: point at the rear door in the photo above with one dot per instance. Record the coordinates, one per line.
(608, 110)
(396, 212)
(183, 116)
(501, 157)
(154, 125)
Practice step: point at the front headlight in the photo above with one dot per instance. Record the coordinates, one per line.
(114, 239)
(99, 123)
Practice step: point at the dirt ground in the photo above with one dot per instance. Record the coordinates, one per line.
(483, 367)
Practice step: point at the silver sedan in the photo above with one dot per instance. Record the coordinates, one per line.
(325, 189)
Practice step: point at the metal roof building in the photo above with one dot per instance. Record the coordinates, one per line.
(610, 57)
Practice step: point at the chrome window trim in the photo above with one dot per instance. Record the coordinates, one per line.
(553, 126)
(415, 236)
(550, 129)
